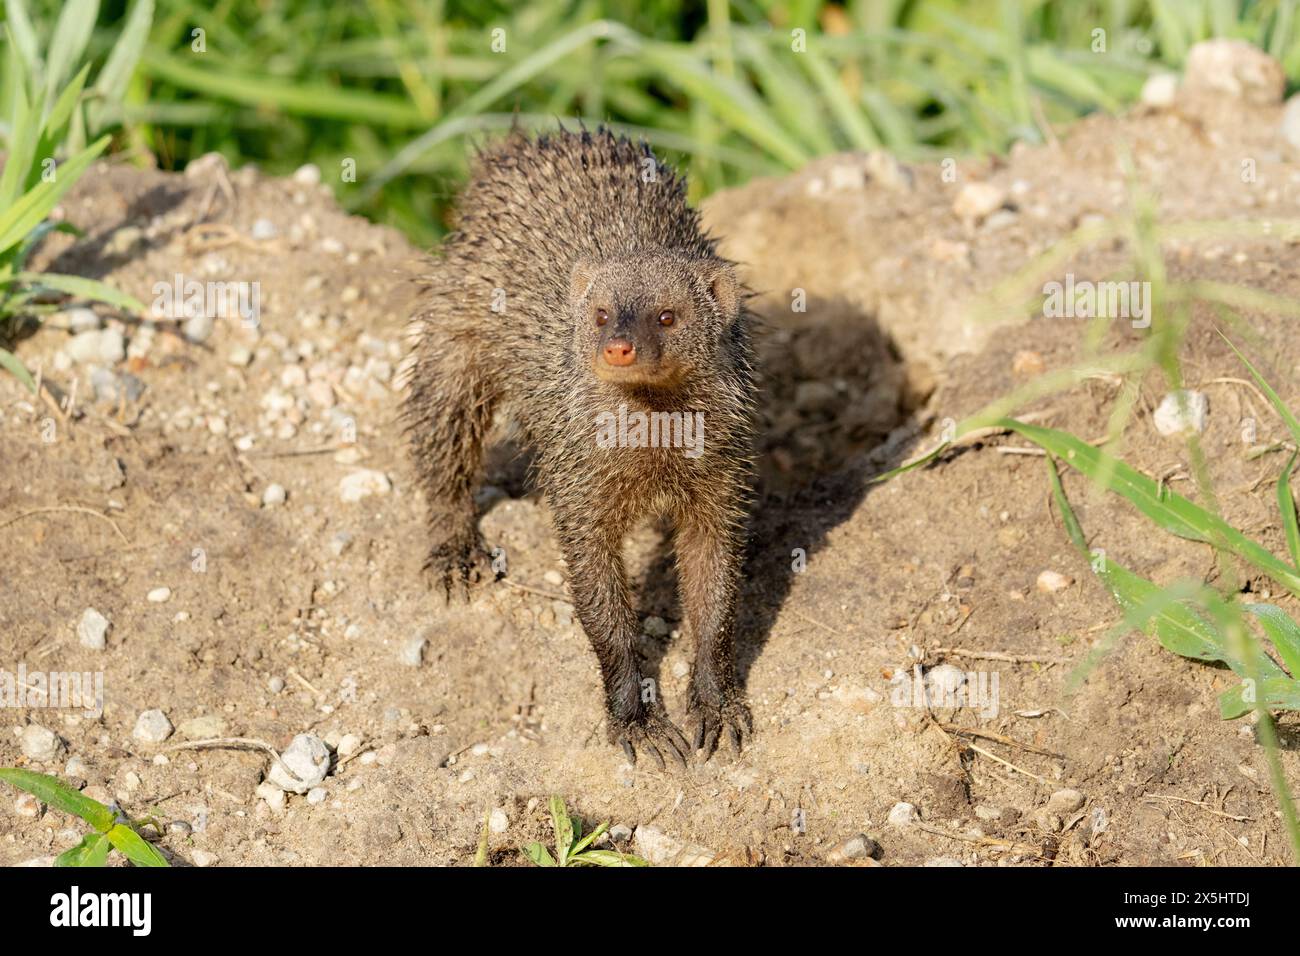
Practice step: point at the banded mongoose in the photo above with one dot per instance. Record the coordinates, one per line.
(578, 291)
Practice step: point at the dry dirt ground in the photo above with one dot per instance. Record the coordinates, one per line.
(310, 615)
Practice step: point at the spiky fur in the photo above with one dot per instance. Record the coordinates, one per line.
(532, 210)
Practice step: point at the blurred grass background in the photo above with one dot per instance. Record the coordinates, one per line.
(399, 86)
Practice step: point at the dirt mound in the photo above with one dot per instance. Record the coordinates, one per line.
(256, 472)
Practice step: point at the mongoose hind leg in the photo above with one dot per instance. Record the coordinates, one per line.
(449, 413)
(638, 721)
(708, 569)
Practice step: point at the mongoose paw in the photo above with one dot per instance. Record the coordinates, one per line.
(654, 734)
(710, 719)
(458, 565)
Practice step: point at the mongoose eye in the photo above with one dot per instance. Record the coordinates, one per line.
(601, 316)
(666, 317)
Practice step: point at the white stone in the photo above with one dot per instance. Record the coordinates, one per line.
(362, 484)
(1180, 412)
(39, 743)
(307, 760)
(152, 727)
(92, 630)
(1160, 89)
(902, 815)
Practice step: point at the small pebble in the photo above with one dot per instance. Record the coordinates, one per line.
(159, 595)
(902, 815)
(152, 727)
(857, 847)
(655, 627)
(977, 201)
(1049, 582)
(272, 794)
(1181, 412)
(362, 484)
(1291, 121)
(202, 728)
(198, 328)
(309, 760)
(317, 795)
(39, 743)
(92, 630)
(412, 654)
(273, 495)
(1160, 89)
(264, 229)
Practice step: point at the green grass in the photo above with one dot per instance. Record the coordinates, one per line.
(402, 87)
(111, 829)
(47, 110)
(571, 847)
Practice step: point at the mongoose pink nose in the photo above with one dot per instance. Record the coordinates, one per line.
(620, 352)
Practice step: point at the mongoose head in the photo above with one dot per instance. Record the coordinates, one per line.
(651, 320)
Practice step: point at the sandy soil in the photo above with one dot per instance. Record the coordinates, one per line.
(310, 615)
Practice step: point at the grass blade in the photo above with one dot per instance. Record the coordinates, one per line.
(1286, 504)
(1292, 425)
(120, 66)
(68, 44)
(14, 366)
(93, 850)
(82, 289)
(1282, 631)
(135, 847)
(25, 214)
(1167, 509)
(563, 829)
(56, 793)
(539, 855)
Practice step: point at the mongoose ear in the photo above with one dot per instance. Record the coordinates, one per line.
(723, 288)
(580, 279)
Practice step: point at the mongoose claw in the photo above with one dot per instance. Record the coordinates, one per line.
(656, 735)
(711, 720)
(457, 566)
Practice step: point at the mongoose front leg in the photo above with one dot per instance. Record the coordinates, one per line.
(708, 568)
(449, 413)
(598, 582)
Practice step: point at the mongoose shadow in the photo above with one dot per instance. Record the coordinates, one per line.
(833, 387)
